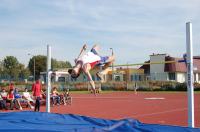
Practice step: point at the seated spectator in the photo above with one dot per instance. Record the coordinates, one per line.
(27, 98)
(2, 104)
(3, 97)
(67, 99)
(18, 98)
(4, 94)
(11, 98)
(43, 94)
(55, 96)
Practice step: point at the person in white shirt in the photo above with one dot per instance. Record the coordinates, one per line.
(90, 60)
(28, 98)
(3, 96)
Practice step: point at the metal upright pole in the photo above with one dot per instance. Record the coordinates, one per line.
(112, 64)
(34, 69)
(48, 78)
(190, 78)
(127, 76)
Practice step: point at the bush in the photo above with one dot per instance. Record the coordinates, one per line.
(196, 86)
(118, 86)
(168, 87)
(181, 87)
(4, 84)
(144, 89)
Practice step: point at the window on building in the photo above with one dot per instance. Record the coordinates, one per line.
(131, 77)
(61, 79)
(198, 76)
(135, 77)
(84, 78)
(172, 76)
(117, 78)
(195, 77)
(140, 77)
(73, 79)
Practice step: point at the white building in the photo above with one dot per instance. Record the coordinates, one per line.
(57, 76)
(170, 71)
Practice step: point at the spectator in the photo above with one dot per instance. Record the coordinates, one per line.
(37, 94)
(44, 94)
(11, 86)
(3, 96)
(27, 98)
(55, 96)
(18, 98)
(67, 99)
(2, 105)
(11, 98)
(1, 102)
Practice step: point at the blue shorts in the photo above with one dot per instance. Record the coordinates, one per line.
(103, 58)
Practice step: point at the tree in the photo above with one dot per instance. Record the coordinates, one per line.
(23, 72)
(10, 64)
(40, 64)
(60, 64)
(68, 64)
(1, 67)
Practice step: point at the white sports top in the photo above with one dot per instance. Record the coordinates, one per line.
(89, 57)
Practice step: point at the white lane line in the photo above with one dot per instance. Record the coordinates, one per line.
(155, 98)
(162, 112)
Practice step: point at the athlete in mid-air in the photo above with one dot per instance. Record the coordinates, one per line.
(87, 61)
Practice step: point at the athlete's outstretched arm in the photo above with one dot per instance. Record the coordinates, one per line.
(96, 49)
(81, 52)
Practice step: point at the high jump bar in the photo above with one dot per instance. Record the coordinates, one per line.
(148, 63)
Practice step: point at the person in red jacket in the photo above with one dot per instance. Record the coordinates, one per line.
(11, 86)
(36, 89)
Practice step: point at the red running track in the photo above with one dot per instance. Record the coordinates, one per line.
(170, 108)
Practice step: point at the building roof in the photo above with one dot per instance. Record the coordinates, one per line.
(177, 66)
(181, 66)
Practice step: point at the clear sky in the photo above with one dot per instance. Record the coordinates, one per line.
(133, 28)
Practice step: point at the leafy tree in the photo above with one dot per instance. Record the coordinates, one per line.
(23, 72)
(1, 67)
(40, 64)
(10, 64)
(60, 64)
(68, 64)
(2, 71)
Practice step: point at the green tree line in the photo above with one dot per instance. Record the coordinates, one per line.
(12, 69)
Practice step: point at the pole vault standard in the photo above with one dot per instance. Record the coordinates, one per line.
(48, 78)
(190, 79)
